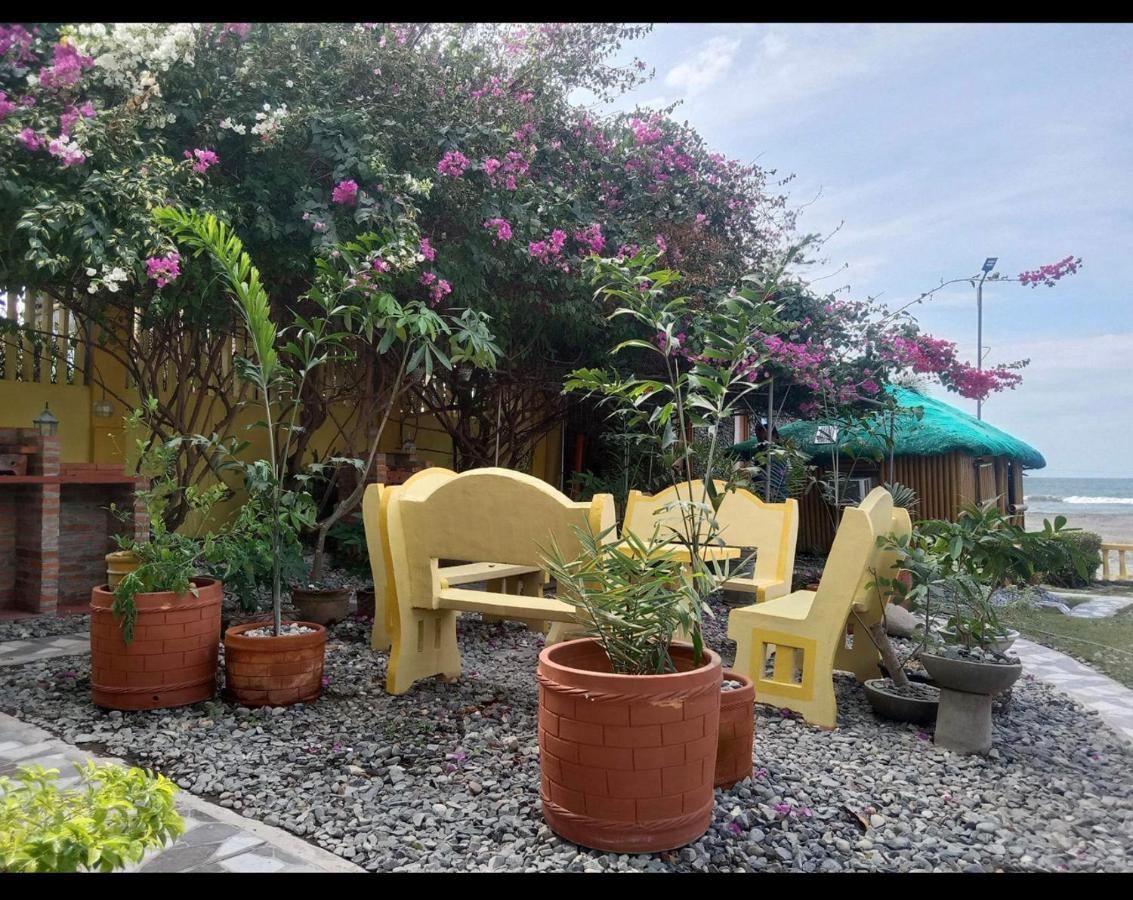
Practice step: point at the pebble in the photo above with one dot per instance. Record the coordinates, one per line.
(446, 776)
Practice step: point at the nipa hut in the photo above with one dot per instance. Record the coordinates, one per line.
(947, 456)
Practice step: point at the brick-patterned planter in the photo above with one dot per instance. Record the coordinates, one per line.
(325, 607)
(172, 659)
(273, 671)
(627, 761)
(737, 732)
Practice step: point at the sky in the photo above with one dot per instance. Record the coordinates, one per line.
(923, 149)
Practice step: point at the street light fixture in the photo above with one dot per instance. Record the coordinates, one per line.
(988, 266)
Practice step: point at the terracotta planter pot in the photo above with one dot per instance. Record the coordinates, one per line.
(172, 659)
(737, 732)
(119, 564)
(627, 761)
(321, 607)
(365, 601)
(273, 671)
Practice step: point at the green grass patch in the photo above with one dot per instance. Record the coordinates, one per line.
(1105, 644)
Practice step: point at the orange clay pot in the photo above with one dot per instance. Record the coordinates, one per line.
(172, 659)
(627, 761)
(273, 671)
(737, 732)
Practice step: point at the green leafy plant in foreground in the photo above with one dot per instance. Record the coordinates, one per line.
(108, 822)
(632, 602)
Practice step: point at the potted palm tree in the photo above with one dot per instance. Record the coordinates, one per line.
(349, 310)
(629, 714)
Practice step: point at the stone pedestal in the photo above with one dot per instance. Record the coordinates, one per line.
(963, 722)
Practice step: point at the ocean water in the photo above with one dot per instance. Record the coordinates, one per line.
(1103, 505)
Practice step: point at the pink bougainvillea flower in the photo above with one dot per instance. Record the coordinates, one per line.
(491, 164)
(345, 192)
(7, 107)
(379, 265)
(427, 250)
(1050, 274)
(453, 164)
(66, 68)
(164, 269)
(29, 139)
(734, 828)
(502, 227)
(662, 244)
(204, 159)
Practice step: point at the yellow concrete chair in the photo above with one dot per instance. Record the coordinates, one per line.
(745, 521)
(807, 629)
(483, 514)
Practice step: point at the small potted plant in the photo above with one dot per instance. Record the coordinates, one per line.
(155, 635)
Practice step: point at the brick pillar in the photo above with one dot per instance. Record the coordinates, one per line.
(37, 549)
(8, 506)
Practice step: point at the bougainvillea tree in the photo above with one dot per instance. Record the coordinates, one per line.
(304, 136)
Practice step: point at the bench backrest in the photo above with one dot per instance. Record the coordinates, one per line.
(744, 520)
(490, 514)
(853, 555)
(375, 512)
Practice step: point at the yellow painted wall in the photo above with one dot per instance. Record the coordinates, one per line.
(84, 438)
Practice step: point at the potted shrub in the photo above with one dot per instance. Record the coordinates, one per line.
(955, 570)
(106, 824)
(348, 310)
(628, 718)
(154, 636)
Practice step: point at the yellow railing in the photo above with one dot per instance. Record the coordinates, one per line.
(1122, 565)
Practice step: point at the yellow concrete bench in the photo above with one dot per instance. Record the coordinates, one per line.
(483, 514)
(500, 577)
(745, 521)
(807, 630)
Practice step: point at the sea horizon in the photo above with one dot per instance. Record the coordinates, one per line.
(1103, 505)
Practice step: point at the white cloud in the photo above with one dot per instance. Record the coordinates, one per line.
(706, 66)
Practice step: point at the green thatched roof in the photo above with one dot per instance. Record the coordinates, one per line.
(942, 429)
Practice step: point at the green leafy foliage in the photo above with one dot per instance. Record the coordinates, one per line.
(1085, 545)
(953, 568)
(633, 600)
(108, 822)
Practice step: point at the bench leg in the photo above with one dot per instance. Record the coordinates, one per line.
(428, 649)
(563, 631)
(812, 695)
(494, 586)
(862, 659)
(380, 633)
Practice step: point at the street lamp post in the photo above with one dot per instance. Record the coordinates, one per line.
(989, 265)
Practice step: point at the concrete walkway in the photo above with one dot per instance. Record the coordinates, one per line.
(16, 653)
(1113, 701)
(215, 839)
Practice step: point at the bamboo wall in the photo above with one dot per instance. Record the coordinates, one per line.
(944, 485)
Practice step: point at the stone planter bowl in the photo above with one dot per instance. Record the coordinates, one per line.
(896, 707)
(970, 677)
(321, 607)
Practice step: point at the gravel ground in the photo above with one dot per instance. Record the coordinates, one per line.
(43, 626)
(446, 777)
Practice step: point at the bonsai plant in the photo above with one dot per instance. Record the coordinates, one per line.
(111, 821)
(172, 663)
(954, 571)
(349, 310)
(629, 717)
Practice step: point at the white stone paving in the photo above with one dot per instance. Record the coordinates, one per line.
(215, 839)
